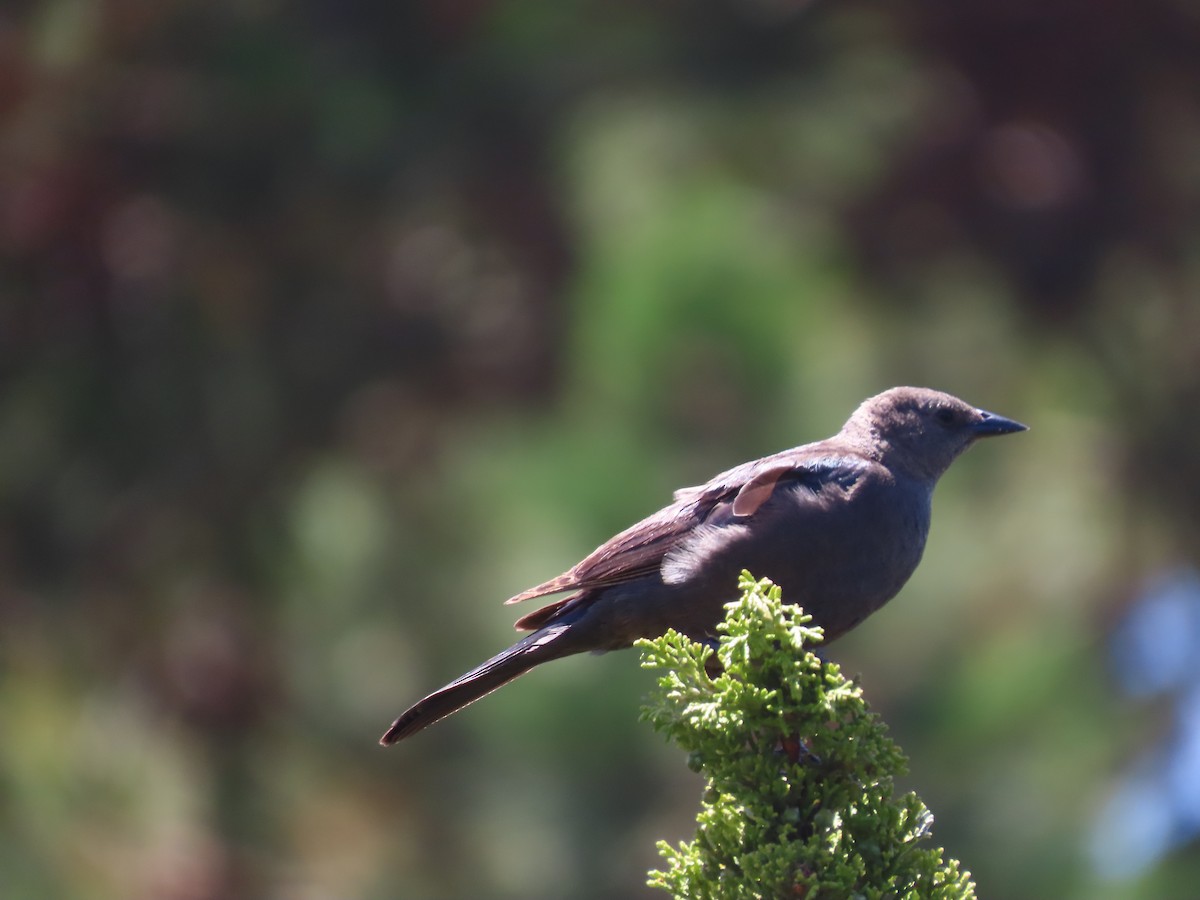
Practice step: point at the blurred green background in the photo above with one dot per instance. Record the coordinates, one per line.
(326, 326)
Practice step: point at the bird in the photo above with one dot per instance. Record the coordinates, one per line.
(839, 524)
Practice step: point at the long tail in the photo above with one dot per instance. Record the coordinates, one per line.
(551, 642)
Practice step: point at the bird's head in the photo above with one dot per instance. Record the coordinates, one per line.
(922, 431)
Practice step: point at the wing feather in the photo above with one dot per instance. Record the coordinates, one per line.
(730, 498)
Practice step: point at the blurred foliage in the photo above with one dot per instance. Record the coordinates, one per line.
(799, 796)
(323, 325)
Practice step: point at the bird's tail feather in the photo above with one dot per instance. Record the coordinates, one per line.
(542, 646)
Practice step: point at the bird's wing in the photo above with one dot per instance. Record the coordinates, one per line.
(730, 499)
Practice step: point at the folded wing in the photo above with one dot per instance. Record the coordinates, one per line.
(698, 516)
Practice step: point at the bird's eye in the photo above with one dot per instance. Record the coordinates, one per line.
(945, 416)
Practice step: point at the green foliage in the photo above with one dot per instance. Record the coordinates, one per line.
(799, 799)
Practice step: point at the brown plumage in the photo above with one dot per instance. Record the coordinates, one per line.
(839, 524)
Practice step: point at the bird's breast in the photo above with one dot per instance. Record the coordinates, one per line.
(851, 550)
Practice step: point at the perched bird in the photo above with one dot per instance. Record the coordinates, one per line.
(839, 524)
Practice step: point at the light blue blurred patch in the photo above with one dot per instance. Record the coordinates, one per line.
(1133, 830)
(1155, 806)
(1157, 647)
(1183, 774)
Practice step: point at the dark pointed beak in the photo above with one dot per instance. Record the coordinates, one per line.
(991, 425)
